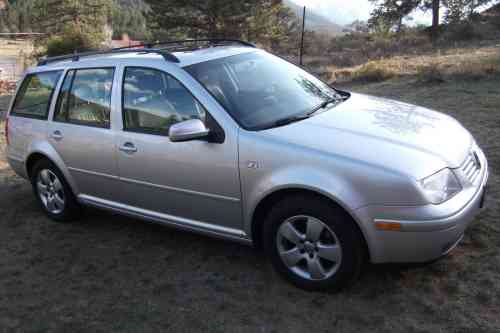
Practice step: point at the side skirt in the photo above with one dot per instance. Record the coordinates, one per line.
(167, 220)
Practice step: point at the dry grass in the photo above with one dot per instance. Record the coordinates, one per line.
(108, 273)
(430, 73)
(457, 63)
(111, 273)
(355, 49)
(373, 71)
(469, 69)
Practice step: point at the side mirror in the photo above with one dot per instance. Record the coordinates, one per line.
(188, 130)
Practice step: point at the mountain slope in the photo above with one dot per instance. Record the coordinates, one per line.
(315, 21)
(492, 11)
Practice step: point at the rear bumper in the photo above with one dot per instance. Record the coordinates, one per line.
(419, 240)
(18, 166)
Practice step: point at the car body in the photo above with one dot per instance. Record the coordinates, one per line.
(367, 156)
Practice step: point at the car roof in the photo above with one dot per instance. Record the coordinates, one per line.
(193, 57)
(186, 58)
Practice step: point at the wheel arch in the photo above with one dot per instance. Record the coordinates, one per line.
(259, 213)
(31, 161)
(40, 151)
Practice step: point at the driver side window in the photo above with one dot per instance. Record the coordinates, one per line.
(153, 101)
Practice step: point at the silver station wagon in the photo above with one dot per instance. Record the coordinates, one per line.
(225, 139)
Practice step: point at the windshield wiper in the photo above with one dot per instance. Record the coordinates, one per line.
(293, 119)
(323, 105)
(289, 120)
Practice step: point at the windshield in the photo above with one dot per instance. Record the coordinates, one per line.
(259, 89)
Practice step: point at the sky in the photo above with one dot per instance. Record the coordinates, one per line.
(346, 11)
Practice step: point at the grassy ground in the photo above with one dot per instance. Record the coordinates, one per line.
(110, 273)
(453, 63)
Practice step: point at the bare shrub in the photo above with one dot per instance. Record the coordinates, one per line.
(463, 31)
(356, 48)
(373, 71)
(342, 75)
(430, 73)
(476, 70)
(470, 69)
(348, 59)
(323, 72)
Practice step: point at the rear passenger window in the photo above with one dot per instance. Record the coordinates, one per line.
(35, 94)
(154, 100)
(85, 97)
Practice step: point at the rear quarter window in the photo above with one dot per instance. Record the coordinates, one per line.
(35, 94)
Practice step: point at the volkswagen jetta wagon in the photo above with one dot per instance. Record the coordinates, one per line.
(225, 139)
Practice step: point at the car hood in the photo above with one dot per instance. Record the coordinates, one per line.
(395, 135)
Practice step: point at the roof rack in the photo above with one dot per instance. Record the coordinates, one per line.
(76, 56)
(165, 52)
(181, 43)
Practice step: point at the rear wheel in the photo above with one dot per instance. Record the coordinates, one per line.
(312, 243)
(53, 192)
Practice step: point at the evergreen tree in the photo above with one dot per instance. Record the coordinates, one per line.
(269, 22)
(460, 10)
(16, 17)
(130, 17)
(392, 12)
(53, 16)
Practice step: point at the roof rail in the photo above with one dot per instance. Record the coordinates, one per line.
(210, 41)
(76, 56)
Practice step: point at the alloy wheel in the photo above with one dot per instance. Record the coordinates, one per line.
(309, 248)
(50, 191)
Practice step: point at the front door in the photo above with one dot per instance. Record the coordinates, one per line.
(80, 131)
(194, 182)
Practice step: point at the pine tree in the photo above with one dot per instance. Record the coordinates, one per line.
(460, 10)
(130, 17)
(266, 21)
(392, 12)
(53, 16)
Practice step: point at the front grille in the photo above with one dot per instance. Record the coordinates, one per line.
(471, 168)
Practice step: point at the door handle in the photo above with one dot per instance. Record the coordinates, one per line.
(128, 148)
(56, 135)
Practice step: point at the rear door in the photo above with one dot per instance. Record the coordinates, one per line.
(81, 133)
(29, 113)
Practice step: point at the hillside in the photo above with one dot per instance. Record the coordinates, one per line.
(493, 11)
(315, 21)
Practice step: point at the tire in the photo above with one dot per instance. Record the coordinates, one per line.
(53, 193)
(322, 248)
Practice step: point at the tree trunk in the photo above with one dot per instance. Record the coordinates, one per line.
(435, 18)
(400, 24)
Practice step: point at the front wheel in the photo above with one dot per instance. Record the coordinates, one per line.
(312, 243)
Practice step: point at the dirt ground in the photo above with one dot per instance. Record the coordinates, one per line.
(110, 273)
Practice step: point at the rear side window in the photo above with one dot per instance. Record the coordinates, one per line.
(85, 97)
(35, 94)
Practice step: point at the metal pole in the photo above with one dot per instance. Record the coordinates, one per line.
(302, 36)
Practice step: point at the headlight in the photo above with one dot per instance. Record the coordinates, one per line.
(441, 186)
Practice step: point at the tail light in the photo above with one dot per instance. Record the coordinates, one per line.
(7, 130)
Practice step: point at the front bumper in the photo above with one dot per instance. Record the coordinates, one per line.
(422, 238)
